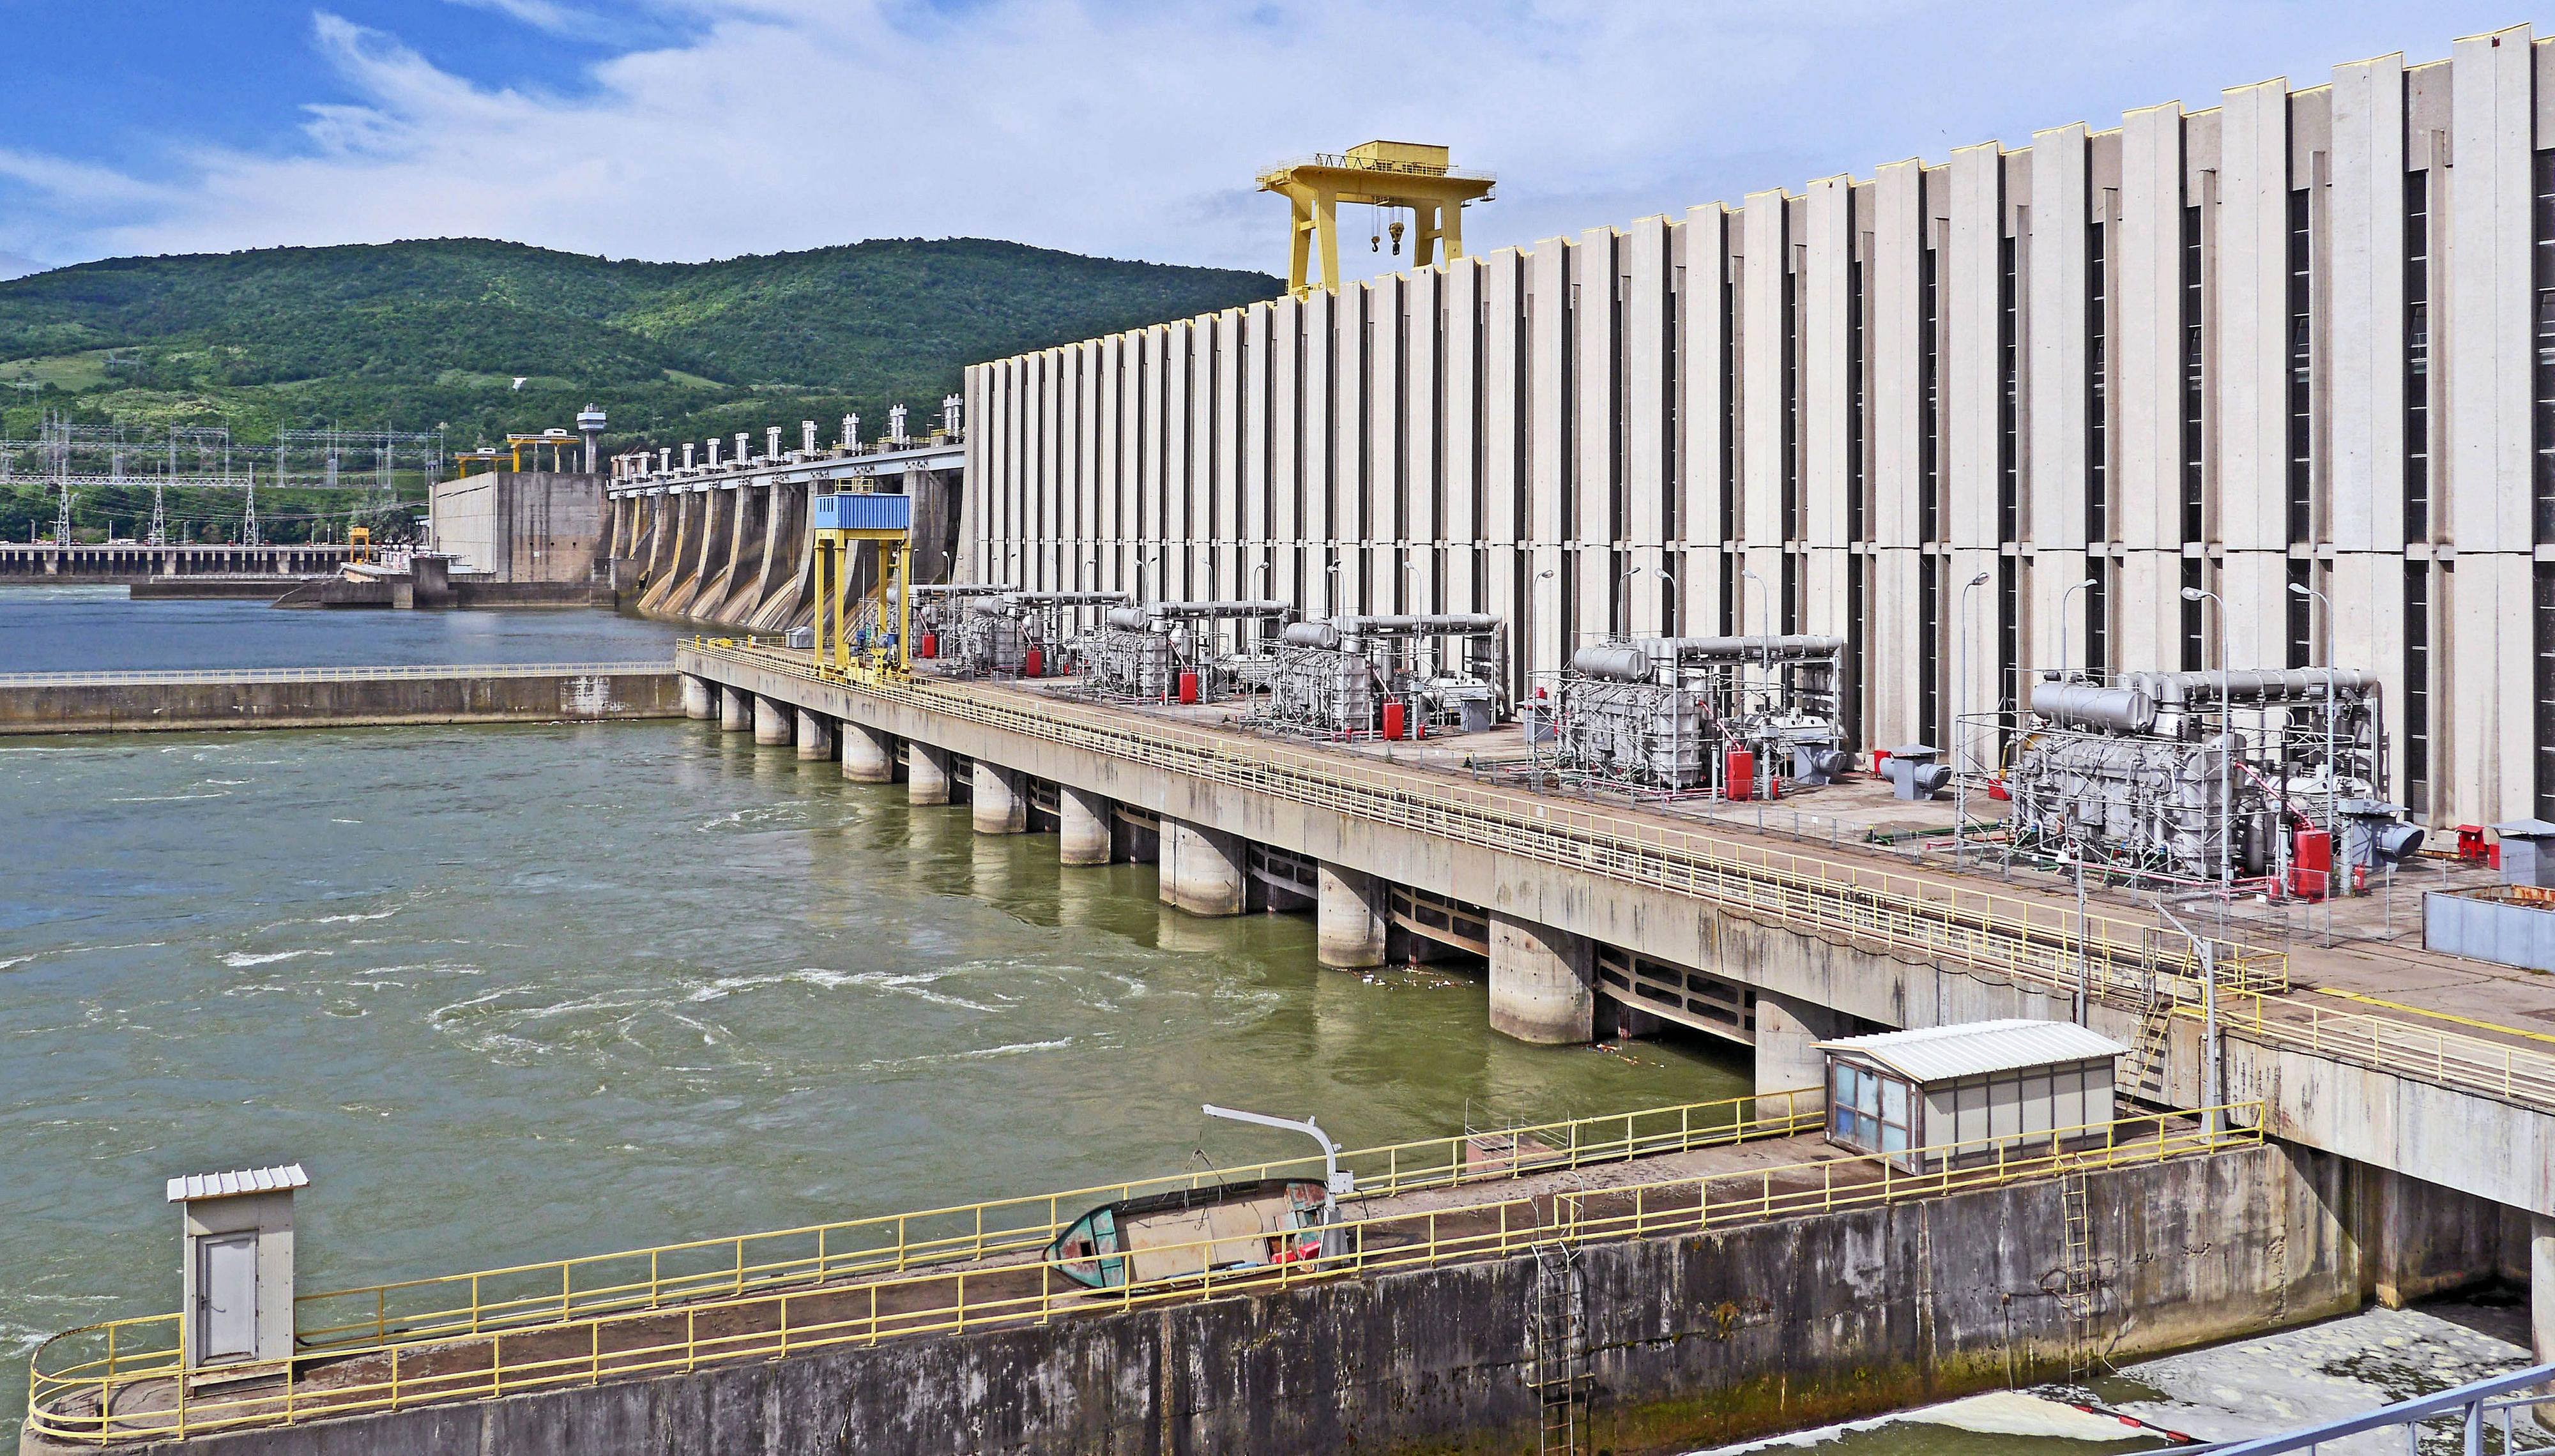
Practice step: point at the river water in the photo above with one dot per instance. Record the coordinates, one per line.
(517, 993)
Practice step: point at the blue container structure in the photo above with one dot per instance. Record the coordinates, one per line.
(850, 512)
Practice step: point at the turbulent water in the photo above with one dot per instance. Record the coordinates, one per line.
(522, 992)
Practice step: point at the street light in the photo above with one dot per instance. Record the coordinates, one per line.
(1960, 700)
(2226, 745)
(2062, 629)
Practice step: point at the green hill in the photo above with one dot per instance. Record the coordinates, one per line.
(415, 334)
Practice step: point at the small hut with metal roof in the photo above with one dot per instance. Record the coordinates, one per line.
(1941, 1096)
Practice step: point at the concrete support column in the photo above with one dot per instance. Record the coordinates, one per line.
(1001, 798)
(869, 755)
(699, 703)
(926, 775)
(2541, 1301)
(772, 719)
(1082, 825)
(736, 710)
(815, 735)
(1542, 983)
(1204, 872)
(1786, 1029)
(1348, 919)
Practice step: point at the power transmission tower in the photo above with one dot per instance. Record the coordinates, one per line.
(248, 527)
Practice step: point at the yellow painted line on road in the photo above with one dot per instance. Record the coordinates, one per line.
(2423, 1010)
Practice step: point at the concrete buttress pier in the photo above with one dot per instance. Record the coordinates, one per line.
(1542, 982)
(1204, 871)
(1082, 825)
(869, 755)
(773, 720)
(700, 699)
(1000, 800)
(1348, 919)
(926, 775)
(815, 735)
(736, 710)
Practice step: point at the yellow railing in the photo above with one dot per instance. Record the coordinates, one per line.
(2045, 945)
(529, 1297)
(2508, 1070)
(775, 1319)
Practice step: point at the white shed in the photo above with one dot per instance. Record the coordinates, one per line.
(1944, 1095)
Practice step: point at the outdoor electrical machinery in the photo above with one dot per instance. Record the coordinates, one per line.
(876, 634)
(1184, 651)
(2196, 776)
(1357, 676)
(1724, 715)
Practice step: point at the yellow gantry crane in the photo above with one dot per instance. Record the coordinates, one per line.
(878, 636)
(1393, 174)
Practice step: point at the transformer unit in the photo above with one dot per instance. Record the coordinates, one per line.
(1191, 651)
(2176, 774)
(939, 614)
(1682, 715)
(1357, 675)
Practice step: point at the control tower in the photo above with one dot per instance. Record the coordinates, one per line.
(1411, 176)
(589, 422)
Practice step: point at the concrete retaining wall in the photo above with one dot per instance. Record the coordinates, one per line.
(1694, 1340)
(144, 706)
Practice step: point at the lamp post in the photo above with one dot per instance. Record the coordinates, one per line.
(2331, 768)
(2062, 628)
(1960, 700)
(2226, 746)
(1625, 590)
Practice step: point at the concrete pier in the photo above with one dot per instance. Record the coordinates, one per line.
(1082, 825)
(197, 701)
(815, 735)
(773, 720)
(869, 755)
(999, 800)
(926, 775)
(1542, 983)
(1786, 1029)
(699, 703)
(1204, 871)
(736, 710)
(1348, 919)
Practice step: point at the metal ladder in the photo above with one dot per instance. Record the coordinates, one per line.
(2080, 1282)
(1557, 1354)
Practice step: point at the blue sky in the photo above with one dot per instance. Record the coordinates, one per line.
(688, 129)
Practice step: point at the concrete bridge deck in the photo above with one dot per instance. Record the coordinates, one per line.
(196, 699)
(2353, 1048)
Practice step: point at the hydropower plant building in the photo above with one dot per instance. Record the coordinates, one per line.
(2295, 349)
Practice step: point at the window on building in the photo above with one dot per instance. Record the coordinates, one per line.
(2097, 381)
(1792, 444)
(2009, 392)
(2195, 516)
(1730, 321)
(2418, 356)
(2008, 590)
(1855, 568)
(2543, 263)
(2543, 623)
(1930, 455)
(2195, 644)
(1929, 636)
(2301, 615)
(1857, 513)
(2301, 386)
(1790, 613)
(2417, 687)
(1870, 1109)
(2098, 615)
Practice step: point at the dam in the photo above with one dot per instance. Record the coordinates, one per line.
(1990, 599)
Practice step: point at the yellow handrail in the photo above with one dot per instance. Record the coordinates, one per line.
(765, 1322)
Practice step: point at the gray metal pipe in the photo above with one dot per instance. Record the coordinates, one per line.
(1731, 649)
(1195, 610)
(1449, 624)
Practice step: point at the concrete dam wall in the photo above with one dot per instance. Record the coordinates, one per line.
(1689, 1340)
(336, 697)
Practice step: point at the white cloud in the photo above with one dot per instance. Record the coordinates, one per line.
(540, 15)
(1134, 129)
